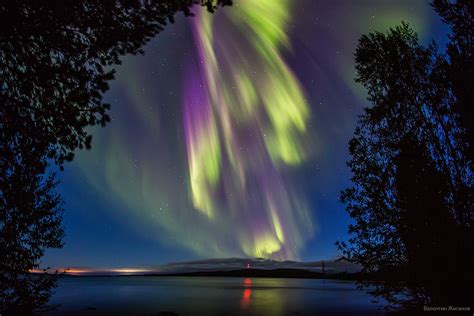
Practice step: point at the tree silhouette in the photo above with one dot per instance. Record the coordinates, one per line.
(460, 63)
(56, 59)
(412, 193)
(31, 222)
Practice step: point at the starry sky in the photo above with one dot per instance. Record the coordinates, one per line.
(228, 137)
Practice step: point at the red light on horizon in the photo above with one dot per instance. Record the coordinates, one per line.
(248, 282)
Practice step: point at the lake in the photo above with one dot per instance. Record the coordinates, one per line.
(157, 295)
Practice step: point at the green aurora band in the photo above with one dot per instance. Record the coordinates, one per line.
(245, 117)
(215, 174)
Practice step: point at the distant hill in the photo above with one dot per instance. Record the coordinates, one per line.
(265, 273)
(333, 265)
(228, 267)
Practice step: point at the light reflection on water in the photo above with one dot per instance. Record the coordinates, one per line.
(246, 299)
(246, 295)
(140, 295)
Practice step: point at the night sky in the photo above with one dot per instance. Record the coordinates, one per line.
(228, 137)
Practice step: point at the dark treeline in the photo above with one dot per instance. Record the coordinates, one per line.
(56, 59)
(412, 199)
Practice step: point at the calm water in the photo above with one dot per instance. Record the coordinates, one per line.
(209, 296)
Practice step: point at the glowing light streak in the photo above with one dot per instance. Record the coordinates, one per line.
(245, 117)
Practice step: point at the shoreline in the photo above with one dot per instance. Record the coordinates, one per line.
(246, 273)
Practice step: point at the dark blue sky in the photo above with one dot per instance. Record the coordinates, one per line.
(129, 201)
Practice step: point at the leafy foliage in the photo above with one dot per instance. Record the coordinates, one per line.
(55, 63)
(56, 59)
(412, 194)
(30, 222)
(460, 63)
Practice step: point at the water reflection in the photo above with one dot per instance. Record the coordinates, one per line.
(268, 296)
(207, 296)
(245, 302)
(248, 282)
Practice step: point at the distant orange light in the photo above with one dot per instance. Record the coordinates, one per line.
(77, 271)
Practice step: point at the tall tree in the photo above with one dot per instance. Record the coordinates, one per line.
(30, 218)
(411, 198)
(56, 59)
(459, 15)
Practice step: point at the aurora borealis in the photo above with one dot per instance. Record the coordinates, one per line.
(244, 118)
(228, 137)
